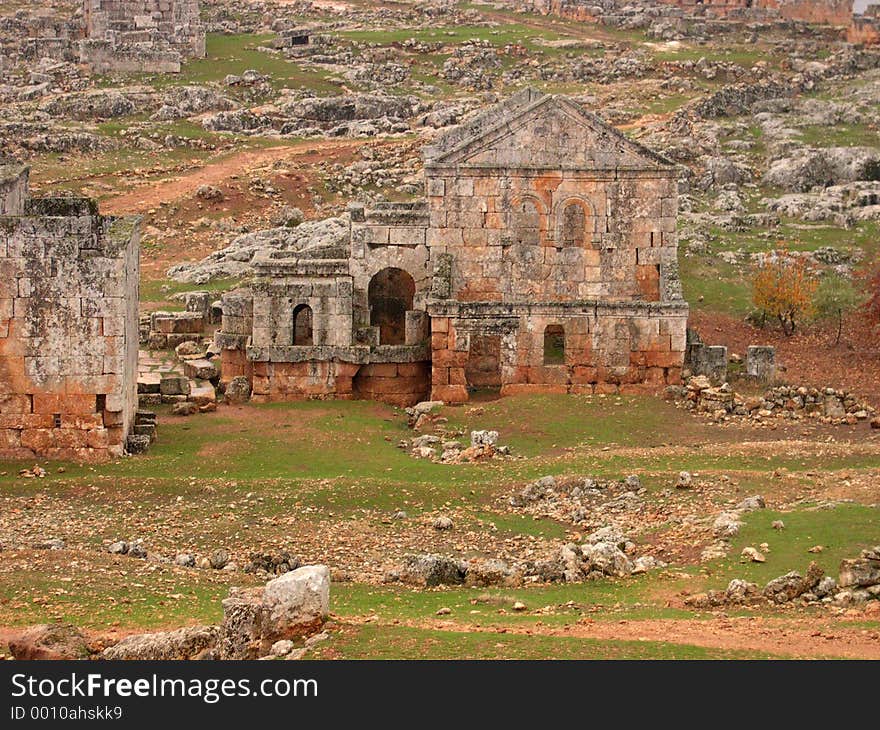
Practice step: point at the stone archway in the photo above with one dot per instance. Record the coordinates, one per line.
(390, 296)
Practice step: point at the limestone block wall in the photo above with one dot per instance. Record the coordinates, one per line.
(831, 12)
(68, 331)
(234, 335)
(864, 30)
(607, 347)
(141, 35)
(388, 235)
(508, 235)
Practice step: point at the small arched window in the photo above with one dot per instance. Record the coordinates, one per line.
(554, 345)
(302, 325)
(574, 225)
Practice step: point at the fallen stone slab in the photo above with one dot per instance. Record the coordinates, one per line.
(148, 383)
(860, 572)
(202, 392)
(190, 642)
(200, 370)
(174, 385)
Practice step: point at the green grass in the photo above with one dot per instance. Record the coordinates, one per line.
(160, 290)
(236, 53)
(842, 532)
(398, 642)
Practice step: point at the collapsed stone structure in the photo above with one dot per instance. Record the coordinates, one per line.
(142, 36)
(831, 12)
(68, 325)
(543, 259)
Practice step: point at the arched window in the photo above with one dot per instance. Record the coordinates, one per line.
(302, 325)
(574, 225)
(390, 296)
(554, 345)
(525, 222)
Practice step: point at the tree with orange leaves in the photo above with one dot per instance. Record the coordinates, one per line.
(783, 288)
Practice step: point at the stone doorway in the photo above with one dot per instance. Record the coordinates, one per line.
(483, 368)
(390, 296)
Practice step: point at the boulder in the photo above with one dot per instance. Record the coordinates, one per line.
(190, 642)
(859, 572)
(606, 558)
(750, 504)
(741, 591)
(810, 167)
(238, 390)
(484, 572)
(431, 570)
(290, 606)
(484, 438)
(51, 641)
(727, 524)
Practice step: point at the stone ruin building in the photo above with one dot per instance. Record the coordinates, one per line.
(142, 36)
(542, 259)
(68, 325)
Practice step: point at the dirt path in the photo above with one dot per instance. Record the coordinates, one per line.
(151, 193)
(796, 638)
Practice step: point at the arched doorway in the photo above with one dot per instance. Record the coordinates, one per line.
(390, 296)
(302, 325)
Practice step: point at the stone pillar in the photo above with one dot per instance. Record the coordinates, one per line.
(449, 354)
(761, 363)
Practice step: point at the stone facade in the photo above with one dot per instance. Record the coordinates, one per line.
(543, 259)
(142, 36)
(68, 328)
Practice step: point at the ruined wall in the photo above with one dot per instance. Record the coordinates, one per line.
(831, 12)
(141, 35)
(68, 328)
(549, 219)
(864, 30)
(625, 230)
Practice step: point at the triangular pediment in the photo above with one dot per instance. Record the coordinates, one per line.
(541, 132)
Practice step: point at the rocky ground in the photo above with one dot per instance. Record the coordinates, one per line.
(602, 525)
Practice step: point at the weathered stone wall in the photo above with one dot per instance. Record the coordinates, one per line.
(831, 12)
(141, 35)
(541, 225)
(547, 218)
(68, 329)
(864, 30)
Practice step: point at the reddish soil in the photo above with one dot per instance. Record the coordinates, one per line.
(809, 357)
(152, 193)
(802, 638)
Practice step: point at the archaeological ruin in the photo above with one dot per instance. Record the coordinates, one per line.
(832, 12)
(141, 36)
(68, 332)
(542, 259)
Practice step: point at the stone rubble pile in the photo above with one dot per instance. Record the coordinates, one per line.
(447, 450)
(858, 583)
(827, 405)
(586, 502)
(282, 619)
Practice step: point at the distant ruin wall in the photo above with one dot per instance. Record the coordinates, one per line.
(831, 12)
(141, 35)
(68, 326)
(864, 30)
